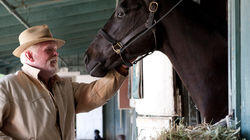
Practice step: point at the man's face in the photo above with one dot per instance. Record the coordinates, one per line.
(46, 56)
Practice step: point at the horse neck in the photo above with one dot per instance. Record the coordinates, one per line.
(195, 52)
(183, 36)
(178, 39)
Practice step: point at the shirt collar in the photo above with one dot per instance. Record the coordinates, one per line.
(33, 72)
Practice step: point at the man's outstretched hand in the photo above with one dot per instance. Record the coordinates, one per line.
(123, 70)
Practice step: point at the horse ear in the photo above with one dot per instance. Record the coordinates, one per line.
(123, 3)
(127, 5)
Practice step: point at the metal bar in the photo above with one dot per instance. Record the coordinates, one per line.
(234, 62)
(12, 10)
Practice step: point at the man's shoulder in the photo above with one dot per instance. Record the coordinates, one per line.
(9, 78)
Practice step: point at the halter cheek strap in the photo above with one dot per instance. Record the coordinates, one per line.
(117, 47)
(120, 47)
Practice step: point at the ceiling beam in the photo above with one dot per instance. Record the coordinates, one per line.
(77, 23)
(55, 13)
(38, 3)
(10, 34)
(12, 11)
(41, 4)
(69, 42)
(23, 8)
(11, 42)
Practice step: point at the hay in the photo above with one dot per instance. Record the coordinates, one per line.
(201, 131)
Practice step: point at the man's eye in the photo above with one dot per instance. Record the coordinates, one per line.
(49, 50)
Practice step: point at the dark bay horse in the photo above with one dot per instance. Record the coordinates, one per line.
(196, 48)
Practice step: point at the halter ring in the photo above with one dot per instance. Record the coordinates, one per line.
(153, 6)
(117, 47)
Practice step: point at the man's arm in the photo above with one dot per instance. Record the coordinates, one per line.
(97, 93)
(4, 111)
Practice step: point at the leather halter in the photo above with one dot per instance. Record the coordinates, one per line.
(120, 46)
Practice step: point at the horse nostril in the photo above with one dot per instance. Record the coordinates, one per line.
(86, 59)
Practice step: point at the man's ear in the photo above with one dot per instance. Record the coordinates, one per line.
(29, 56)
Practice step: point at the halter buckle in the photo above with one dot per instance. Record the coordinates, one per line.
(153, 6)
(117, 47)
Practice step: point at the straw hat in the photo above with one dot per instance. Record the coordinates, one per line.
(34, 35)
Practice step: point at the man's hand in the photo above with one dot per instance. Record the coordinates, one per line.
(123, 70)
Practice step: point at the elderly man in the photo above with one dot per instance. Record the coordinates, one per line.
(37, 104)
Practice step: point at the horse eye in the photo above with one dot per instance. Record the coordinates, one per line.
(120, 14)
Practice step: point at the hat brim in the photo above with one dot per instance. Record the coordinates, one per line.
(17, 52)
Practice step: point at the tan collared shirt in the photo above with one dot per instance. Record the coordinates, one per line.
(28, 110)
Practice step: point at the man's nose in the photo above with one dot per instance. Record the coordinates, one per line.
(56, 53)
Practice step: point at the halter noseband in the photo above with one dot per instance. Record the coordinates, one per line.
(120, 46)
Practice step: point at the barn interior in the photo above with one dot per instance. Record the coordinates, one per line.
(77, 22)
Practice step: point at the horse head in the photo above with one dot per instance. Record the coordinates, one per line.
(110, 47)
(195, 47)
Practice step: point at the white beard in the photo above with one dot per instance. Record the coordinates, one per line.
(53, 69)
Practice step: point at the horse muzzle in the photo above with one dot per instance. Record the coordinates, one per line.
(94, 68)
